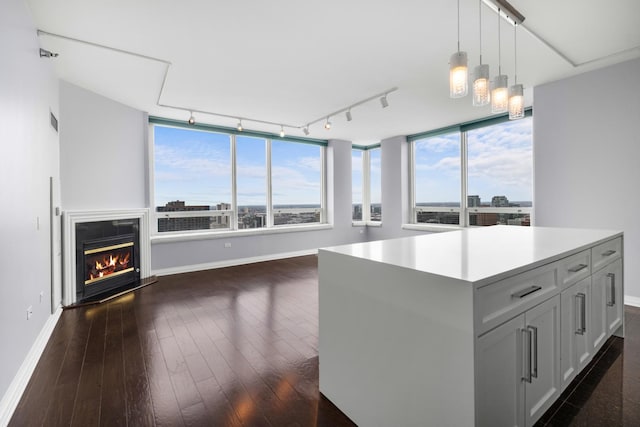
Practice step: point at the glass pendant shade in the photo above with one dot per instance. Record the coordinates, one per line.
(500, 94)
(516, 102)
(481, 86)
(458, 75)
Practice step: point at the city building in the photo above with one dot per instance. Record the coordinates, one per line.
(473, 201)
(499, 202)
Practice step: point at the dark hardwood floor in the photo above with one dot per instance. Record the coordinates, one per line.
(238, 347)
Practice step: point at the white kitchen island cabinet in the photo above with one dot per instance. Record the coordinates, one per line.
(464, 328)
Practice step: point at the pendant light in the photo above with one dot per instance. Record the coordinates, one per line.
(458, 70)
(481, 89)
(516, 92)
(500, 90)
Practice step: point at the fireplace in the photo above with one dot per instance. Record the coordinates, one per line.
(105, 252)
(107, 257)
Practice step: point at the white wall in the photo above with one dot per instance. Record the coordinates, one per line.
(587, 154)
(28, 158)
(395, 190)
(103, 152)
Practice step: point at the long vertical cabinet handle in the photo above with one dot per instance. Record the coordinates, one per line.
(534, 351)
(526, 352)
(581, 302)
(612, 285)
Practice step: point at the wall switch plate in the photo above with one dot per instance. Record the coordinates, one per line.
(29, 312)
(41, 296)
(227, 244)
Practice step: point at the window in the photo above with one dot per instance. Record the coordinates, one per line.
(357, 173)
(211, 179)
(375, 183)
(192, 172)
(251, 182)
(500, 173)
(296, 182)
(437, 179)
(366, 181)
(474, 174)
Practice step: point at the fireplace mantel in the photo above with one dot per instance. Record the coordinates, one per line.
(71, 218)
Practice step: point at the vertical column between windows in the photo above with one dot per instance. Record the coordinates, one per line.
(270, 220)
(234, 185)
(464, 211)
(324, 215)
(366, 186)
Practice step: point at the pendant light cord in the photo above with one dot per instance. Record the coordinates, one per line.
(480, 27)
(499, 50)
(515, 55)
(458, 26)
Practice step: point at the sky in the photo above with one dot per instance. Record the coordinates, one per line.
(195, 167)
(500, 163)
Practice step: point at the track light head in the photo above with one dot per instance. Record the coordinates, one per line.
(384, 102)
(306, 130)
(192, 120)
(281, 131)
(327, 124)
(348, 114)
(47, 54)
(239, 127)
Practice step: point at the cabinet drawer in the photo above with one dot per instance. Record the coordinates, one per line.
(500, 301)
(574, 268)
(606, 253)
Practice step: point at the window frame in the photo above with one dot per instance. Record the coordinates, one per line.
(233, 211)
(366, 186)
(464, 211)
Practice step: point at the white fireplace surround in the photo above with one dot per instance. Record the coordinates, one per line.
(71, 218)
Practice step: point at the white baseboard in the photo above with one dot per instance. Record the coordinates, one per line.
(12, 397)
(634, 301)
(230, 263)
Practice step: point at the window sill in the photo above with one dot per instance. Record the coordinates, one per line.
(436, 228)
(366, 224)
(207, 235)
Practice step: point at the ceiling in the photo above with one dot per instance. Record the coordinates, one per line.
(292, 61)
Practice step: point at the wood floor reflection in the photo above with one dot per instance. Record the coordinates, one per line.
(238, 346)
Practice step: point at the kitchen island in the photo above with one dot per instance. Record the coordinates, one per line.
(481, 326)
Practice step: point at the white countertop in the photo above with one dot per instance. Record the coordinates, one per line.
(478, 254)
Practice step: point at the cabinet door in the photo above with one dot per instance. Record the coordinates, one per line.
(607, 303)
(575, 341)
(598, 319)
(499, 375)
(615, 297)
(543, 322)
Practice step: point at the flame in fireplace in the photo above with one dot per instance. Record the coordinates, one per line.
(109, 264)
(104, 262)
